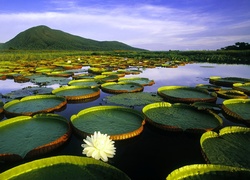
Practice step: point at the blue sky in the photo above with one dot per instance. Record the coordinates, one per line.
(148, 24)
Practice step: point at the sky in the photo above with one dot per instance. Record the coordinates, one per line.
(157, 25)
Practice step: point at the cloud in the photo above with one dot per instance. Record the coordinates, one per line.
(145, 26)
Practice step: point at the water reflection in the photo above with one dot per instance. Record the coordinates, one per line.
(154, 153)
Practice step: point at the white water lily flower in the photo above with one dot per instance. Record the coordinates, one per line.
(99, 146)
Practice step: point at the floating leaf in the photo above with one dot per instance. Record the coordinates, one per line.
(116, 121)
(27, 91)
(35, 104)
(85, 82)
(64, 167)
(134, 99)
(231, 146)
(231, 94)
(209, 87)
(185, 94)
(139, 80)
(180, 117)
(237, 109)
(76, 93)
(121, 87)
(208, 171)
(26, 136)
(227, 81)
(242, 87)
(45, 80)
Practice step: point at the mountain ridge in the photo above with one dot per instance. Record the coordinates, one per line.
(44, 38)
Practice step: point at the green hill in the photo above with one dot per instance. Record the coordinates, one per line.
(45, 38)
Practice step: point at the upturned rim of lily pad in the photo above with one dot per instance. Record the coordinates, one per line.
(17, 122)
(44, 105)
(85, 82)
(237, 113)
(106, 78)
(244, 87)
(117, 121)
(121, 87)
(81, 92)
(212, 171)
(142, 80)
(166, 116)
(226, 157)
(231, 94)
(76, 167)
(193, 95)
(227, 81)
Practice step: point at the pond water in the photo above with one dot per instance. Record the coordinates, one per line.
(154, 153)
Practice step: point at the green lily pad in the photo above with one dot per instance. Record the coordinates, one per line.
(46, 80)
(106, 78)
(180, 117)
(230, 147)
(64, 167)
(237, 110)
(60, 73)
(27, 137)
(208, 171)
(121, 87)
(185, 94)
(242, 87)
(83, 76)
(75, 93)
(119, 74)
(227, 81)
(129, 71)
(134, 99)
(117, 121)
(209, 87)
(139, 80)
(31, 105)
(207, 106)
(231, 94)
(27, 91)
(97, 70)
(85, 82)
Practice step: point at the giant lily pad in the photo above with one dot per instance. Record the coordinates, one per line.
(134, 99)
(231, 146)
(209, 87)
(64, 167)
(242, 87)
(26, 136)
(27, 91)
(180, 117)
(139, 80)
(85, 82)
(116, 121)
(208, 171)
(237, 110)
(43, 80)
(185, 94)
(121, 87)
(76, 93)
(31, 105)
(231, 94)
(106, 78)
(227, 81)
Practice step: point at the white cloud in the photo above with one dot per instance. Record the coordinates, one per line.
(146, 26)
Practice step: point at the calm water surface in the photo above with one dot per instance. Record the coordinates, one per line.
(154, 153)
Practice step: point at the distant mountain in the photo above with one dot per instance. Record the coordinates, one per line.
(45, 38)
